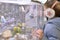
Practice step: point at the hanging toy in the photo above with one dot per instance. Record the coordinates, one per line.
(22, 9)
(50, 13)
(3, 20)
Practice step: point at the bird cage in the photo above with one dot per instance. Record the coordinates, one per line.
(21, 18)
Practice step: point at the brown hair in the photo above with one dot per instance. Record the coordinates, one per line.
(57, 10)
(49, 3)
(56, 7)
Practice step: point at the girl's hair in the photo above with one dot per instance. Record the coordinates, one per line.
(49, 4)
(57, 10)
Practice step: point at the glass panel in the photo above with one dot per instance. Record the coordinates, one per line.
(19, 21)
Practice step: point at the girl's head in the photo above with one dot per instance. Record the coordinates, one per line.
(53, 6)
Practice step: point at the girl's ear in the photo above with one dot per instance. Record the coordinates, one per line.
(50, 13)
